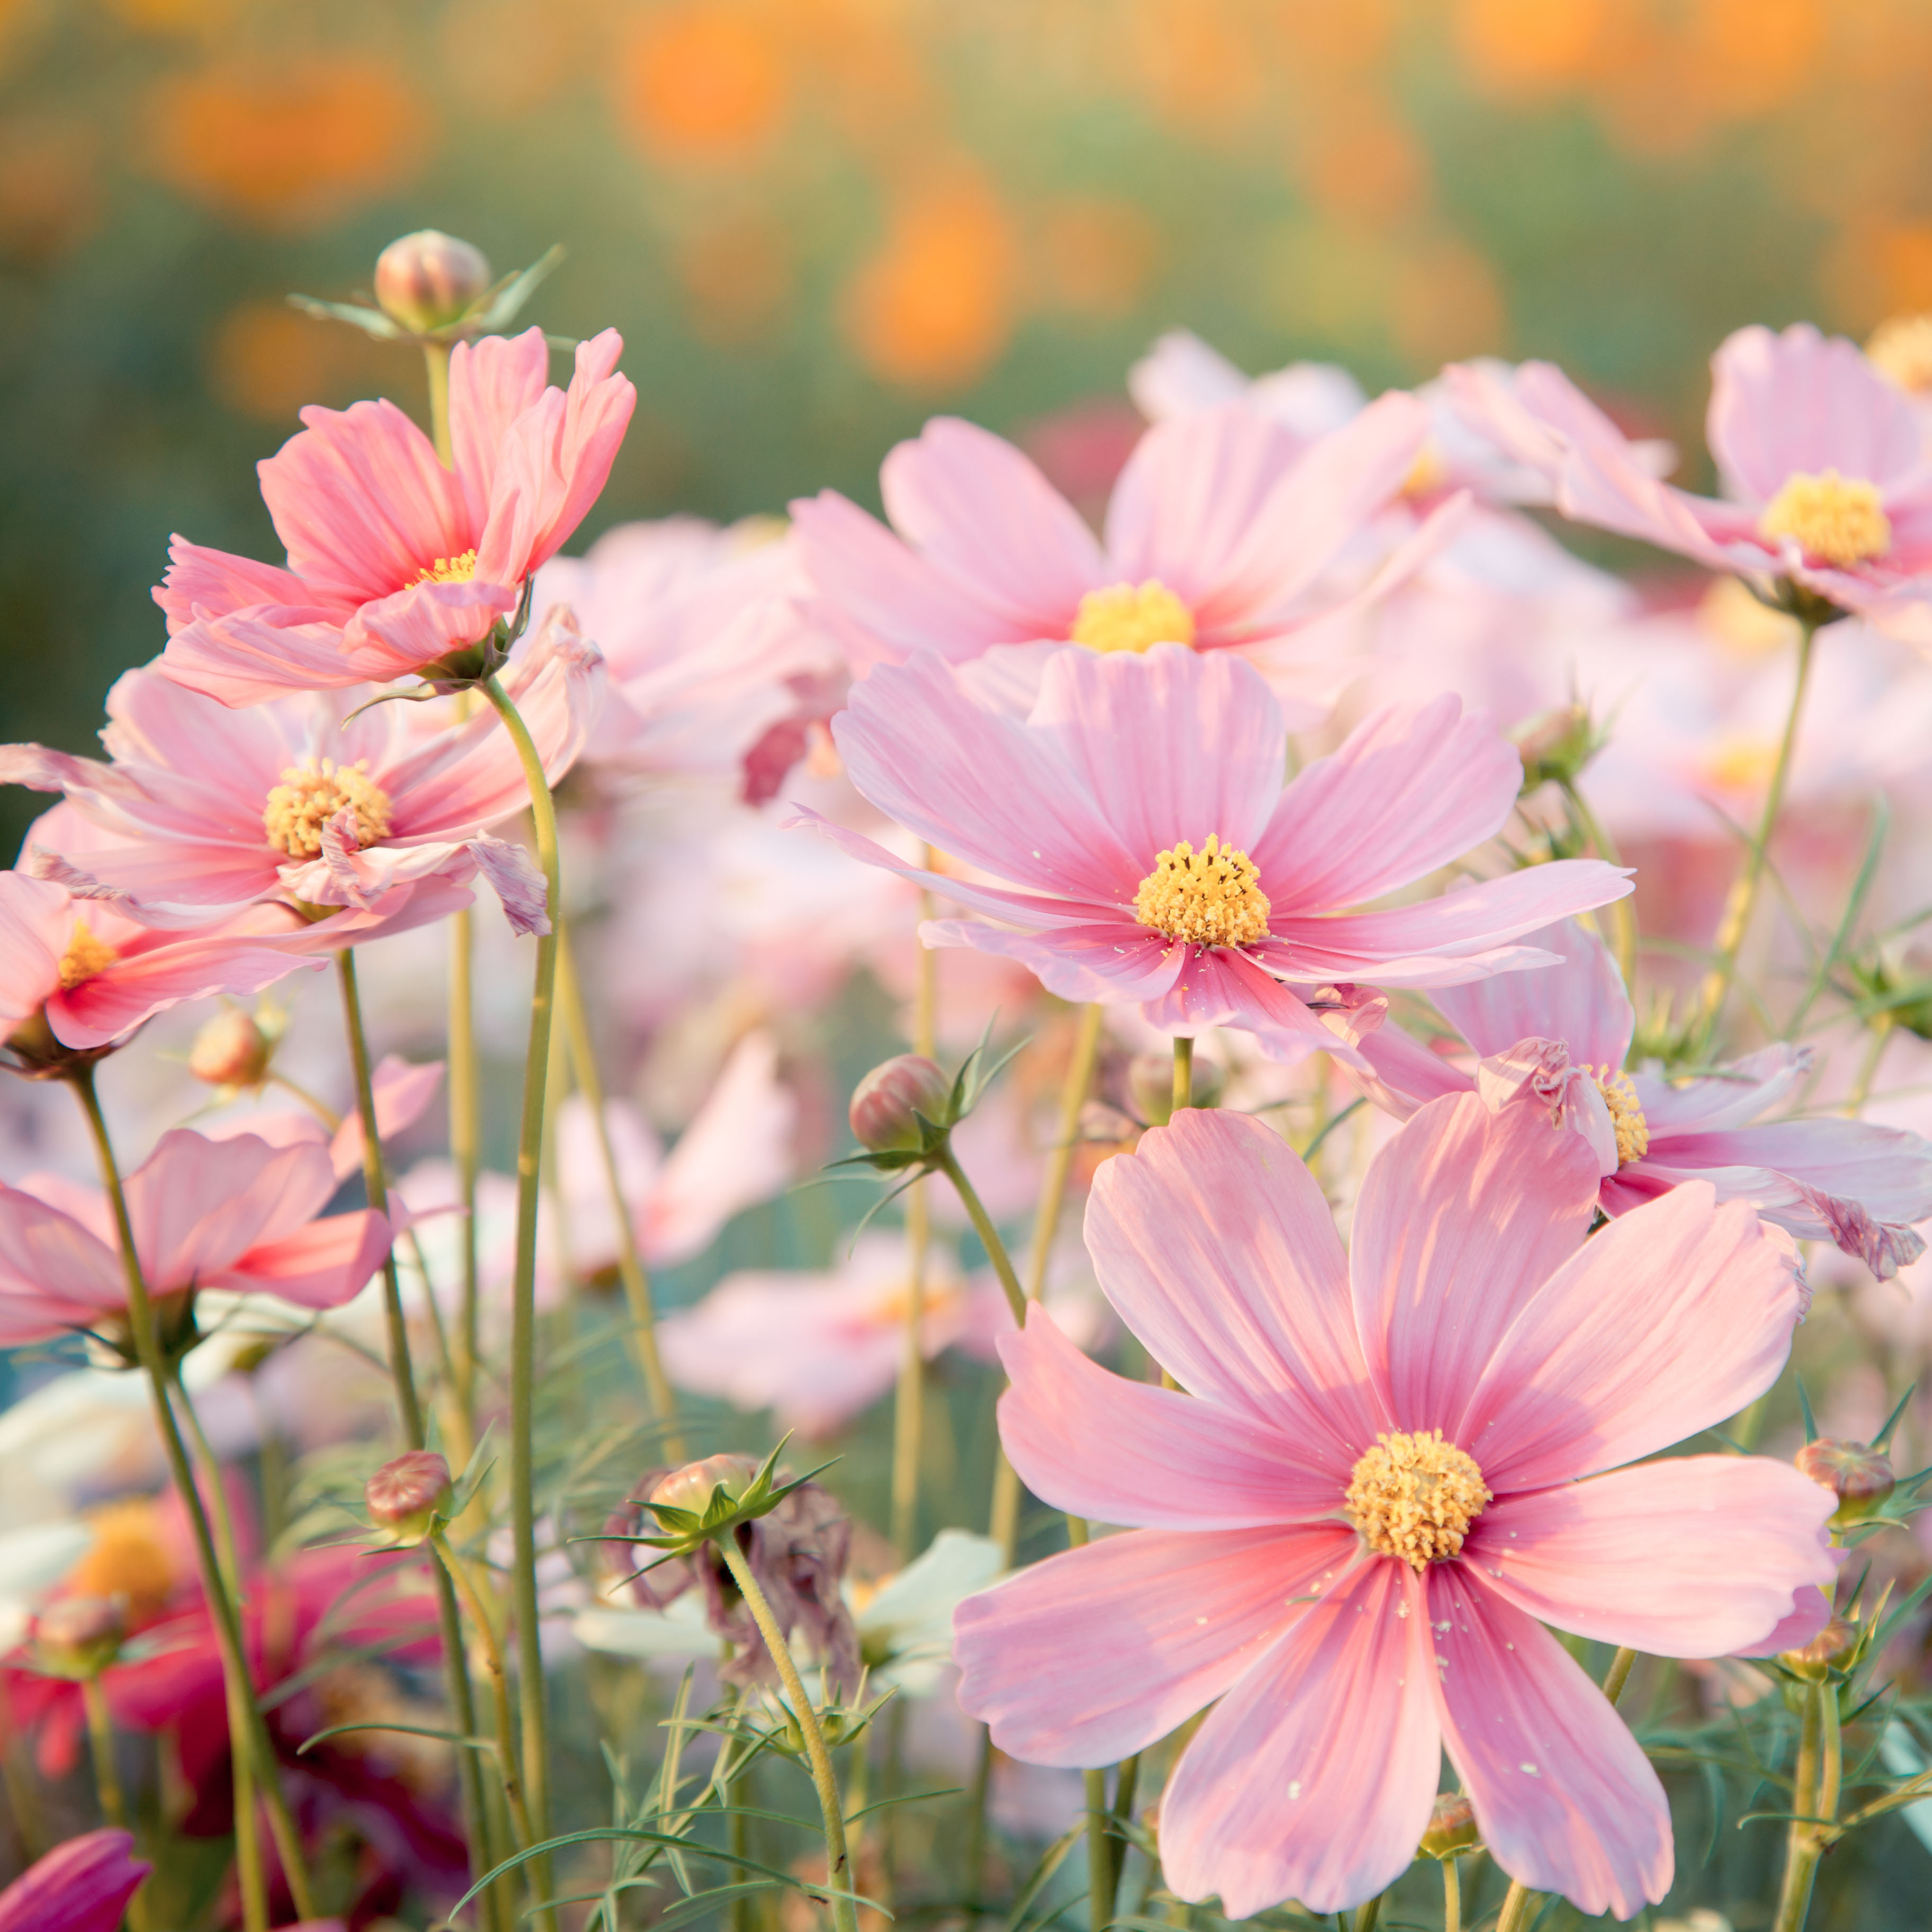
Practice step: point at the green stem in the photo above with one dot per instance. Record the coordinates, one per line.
(408, 1407)
(1367, 1915)
(1881, 1037)
(466, 1137)
(481, 1614)
(523, 1306)
(1623, 911)
(1183, 1075)
(638, 1296)
(107, 1779)
(248, 1735)
(1099, 1853)
(435, 360)
(989, 1235)
(1815, 1792)
(1618, 1676)
(1744, 895)
(909, 1396)
(1452, 1897)
(838, 1868)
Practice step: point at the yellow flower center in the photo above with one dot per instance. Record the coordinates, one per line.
(311, 793)
(1132, 617)
(1208, 898)
(1900, 349)
(127, 1558)
(1633, 1130)
(1415, 1496)
(1428, 472)
(1840, 518)
(86, 956)
(1739, 764)
(449, 569)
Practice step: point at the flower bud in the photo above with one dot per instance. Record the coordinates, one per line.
(1452, 1827)
(691, 1487)
(428, 279)
(405, 1497)
(1859, 1476)
(1832, 1648)
(80, 1636)
(1150, 1086)
(1556, 745)
(230, 1050)
(884, 1102)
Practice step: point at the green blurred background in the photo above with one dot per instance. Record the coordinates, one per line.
(816, 221)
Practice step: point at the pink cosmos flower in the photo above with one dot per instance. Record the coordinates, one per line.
(1156, 858)
(95, 974)
(296, 799)
(236, 1214)
(83, 1885)
(1382, 1474)
(396, 563)
(1218, 535)
(402, 1089)
(1827, 479)
(1558, 1039)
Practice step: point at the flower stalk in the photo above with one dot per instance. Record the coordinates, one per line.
(1818, 1779)
(909, 1396)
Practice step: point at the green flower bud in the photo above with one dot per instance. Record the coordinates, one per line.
(428, 279)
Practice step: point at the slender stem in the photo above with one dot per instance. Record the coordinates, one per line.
(436, 359)
(1367, 1915)
(478, 1606)
(101, 1740)
(1099, 1853)
(1452, 1897)
(522, 1306)
(1744, 895)
(1623, 911)
(486, 1847)
(630, 1263)
(989, 1235)
(408, 1407)
(909, 1396)
(1183, 1075)
(1618, 1676)
(1815, 1792)
(1881, 1037)
(320, 1108)
(249, 1736)
(23, 1794)
(837, 1870)
(466, 1137)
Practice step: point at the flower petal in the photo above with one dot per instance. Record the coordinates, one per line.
(322, 1265)
(1581, 1003)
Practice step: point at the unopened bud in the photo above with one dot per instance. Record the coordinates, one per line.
(1858, 1475)
(230, 1050)
(428, 279)
(691, 1487)
(1150, 1086)
(406, 1496)
(1452, 1827)
(884, 1103)
(1815, 1661)
(80, 1636)
(1556, 745)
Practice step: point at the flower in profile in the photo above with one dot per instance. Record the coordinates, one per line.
(236, 1215)
(1827, 485)
(1220, 535)
(1558, 1038)
(300, 800)
(83, 1885)
(1147, 852)
(396, 565)
(1380, 1475)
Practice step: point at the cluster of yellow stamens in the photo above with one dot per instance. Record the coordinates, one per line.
(311, 793)
(127, 1558)
(1212, 897)
(86, 956)
(1132, 617)
(449, 569)
(1841, 519)
(1415, 1496)
(1633, 1130)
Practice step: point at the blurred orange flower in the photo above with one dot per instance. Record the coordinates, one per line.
(703, 82)
(49, 184)
(266, 361)
(1529, 46)
(294, 145)
(1094, 254)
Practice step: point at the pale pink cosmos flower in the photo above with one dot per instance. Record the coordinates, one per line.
(1558, 1039)
(235, 1215)
(401, 1089)
(1155, 858)
(1220, 534)
(297, 799)
(83, 1885)
(1352, 1621)
(1827, 478)
(395, 562)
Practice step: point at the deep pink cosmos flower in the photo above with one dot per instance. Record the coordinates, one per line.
(395, 562)
(296, 799)
(1155, 857)
(83, 1885)
(1823, 463)
(1558, 1039)
(1381, 1473)
(1218, 535)
(236, 1214)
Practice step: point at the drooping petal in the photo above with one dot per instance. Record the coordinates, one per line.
(1463, 1216)
(1670, 1319)
(322, 1265)
(82, 1885)
(1581, 1003)
(1226, 986)
(1564, 1798)
(1219, 1250)
(1313, 1777)
(1113, 961)
(517, 881)
(1097, 1445)
(1696, 1556)
(1099, 1652)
